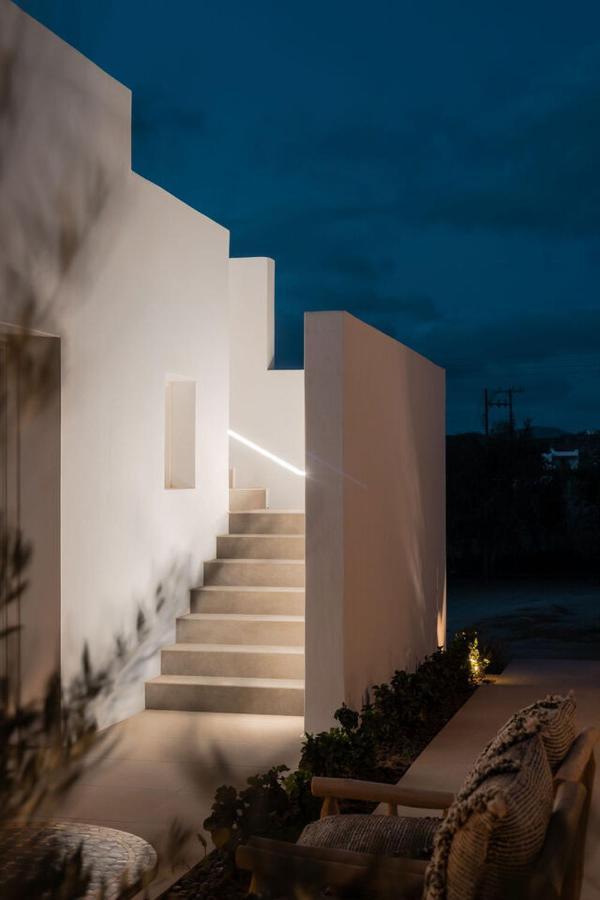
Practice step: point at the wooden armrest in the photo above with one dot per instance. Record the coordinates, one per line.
(578, 757)
(393, 794)
(279, 865)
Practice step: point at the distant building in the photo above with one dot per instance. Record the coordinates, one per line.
(562, 459)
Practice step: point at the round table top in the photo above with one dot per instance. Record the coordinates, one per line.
(110, 855)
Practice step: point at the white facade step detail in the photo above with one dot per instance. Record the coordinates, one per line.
(260, 546)
(208, 628)
(242, 499)
(241, 647)
(233, 660)
(248, 600)
(267, 521)
(266, 696)
(255, 572)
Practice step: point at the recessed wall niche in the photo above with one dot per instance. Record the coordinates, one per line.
(180, 434)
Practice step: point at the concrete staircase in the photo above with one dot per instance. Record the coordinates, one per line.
(241, 647)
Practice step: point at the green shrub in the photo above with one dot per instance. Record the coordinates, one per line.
(401, 718)
(349, 752)
(378, 743)
(275, 804)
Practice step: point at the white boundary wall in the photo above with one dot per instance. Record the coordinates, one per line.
(267, 405)
(375, 511)
(144, 302)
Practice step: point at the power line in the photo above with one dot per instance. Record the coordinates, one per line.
(500, 397)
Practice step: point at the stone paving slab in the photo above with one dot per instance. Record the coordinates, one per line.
(445, 762)
(164, 766)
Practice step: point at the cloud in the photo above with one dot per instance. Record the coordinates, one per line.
(155, 112)
(385, 311)
(536, 172)
(553, 356)
(528, 164)
(362, 267)
(418, 307)
(466, 346)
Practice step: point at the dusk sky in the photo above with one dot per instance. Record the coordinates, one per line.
(431, 167)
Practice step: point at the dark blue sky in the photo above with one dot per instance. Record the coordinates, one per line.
(432, 167)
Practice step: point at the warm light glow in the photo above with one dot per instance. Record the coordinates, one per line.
(477, 663)
(276, 459)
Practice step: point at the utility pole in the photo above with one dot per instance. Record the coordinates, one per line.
(486, 411)
(500, 397)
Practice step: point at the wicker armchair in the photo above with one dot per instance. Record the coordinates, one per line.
(556, 873)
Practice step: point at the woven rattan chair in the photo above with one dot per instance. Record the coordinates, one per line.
(556, 874)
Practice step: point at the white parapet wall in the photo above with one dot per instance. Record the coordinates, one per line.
(375, 511)
(266, 404)
(134, 283)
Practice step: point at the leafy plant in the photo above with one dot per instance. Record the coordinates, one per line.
(274, 804)
(378, 743)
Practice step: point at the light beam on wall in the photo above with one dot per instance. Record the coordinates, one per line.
(276, 459)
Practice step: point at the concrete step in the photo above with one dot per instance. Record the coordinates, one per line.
(267, 521)
(233, 660)
(260, 546)
(233, 628)
(250, 600)
(255, 572)
(205, 693)
(244, 499)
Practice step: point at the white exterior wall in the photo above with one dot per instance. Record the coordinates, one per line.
(156, 310)
(145, 300)
(267, 405)
(375, 511)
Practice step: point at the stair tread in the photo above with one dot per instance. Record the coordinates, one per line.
(269, 511)
(236, 648)
(237, 692)
(261, 534)
(249, 588)
(228, 681)
(242, 559)
(240, 617)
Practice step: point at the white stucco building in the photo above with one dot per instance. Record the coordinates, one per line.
(164, 347)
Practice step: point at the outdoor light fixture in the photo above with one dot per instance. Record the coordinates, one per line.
(276, 459)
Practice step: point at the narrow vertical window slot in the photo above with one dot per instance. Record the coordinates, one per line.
(180, 434)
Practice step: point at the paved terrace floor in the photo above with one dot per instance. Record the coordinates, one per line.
(163, 765)
(167, 765)
(445, 762)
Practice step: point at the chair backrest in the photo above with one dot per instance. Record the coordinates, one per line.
(558, 872)
(556, 875)
(534, 846)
